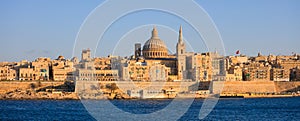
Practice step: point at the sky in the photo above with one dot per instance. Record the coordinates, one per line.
(48, 28)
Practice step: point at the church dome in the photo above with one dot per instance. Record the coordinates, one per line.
(155, 47)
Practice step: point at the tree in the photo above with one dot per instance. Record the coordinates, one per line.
(112, 87)
(32, 86)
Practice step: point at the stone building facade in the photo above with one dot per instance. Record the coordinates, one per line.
(280, 74)
(28, 74)
(41, 66)
(62, 69)
(256, 72)
(8, 73)
(234, 73)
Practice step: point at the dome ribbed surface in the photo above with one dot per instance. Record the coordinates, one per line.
(155, 47)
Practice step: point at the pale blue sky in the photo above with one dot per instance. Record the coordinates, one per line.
(48, 28)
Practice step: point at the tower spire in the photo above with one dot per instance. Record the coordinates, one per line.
(181, 57)
(180, 39)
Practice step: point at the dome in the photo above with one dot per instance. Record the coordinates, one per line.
(155, 47)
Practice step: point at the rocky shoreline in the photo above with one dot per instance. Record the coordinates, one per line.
(30, 95)
(74, 96)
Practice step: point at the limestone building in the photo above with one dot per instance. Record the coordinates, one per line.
(280, 74)
(153, 60)
(86, 55)
(95, 69)
(7, 73)
(28, 74)
(62, 69)
(41, 66)
(234, 73)
(287, 62)
(256, 72)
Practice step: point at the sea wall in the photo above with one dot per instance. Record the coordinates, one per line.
(18, 90)
(7, 86)
(287, 86)
(24, 90)
(243, 87)
(126, 85)
(253, 86)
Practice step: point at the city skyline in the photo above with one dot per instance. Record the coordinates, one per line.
(152, 61)
(31, 30)
(149, 60)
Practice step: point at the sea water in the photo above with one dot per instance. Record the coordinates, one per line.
(226, 109)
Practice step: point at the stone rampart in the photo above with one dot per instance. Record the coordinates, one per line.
(244, 87)
(7, 86)
(287, 86)
(126, 85)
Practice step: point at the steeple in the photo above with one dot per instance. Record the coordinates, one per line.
(180, 44)
(180, 38)
(181, 56)
(154, 33)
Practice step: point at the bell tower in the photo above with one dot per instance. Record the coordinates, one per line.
(181, 56)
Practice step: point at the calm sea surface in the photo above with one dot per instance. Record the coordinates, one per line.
(226, 109)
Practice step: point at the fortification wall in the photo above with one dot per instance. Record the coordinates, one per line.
(254, 86)
(243, 87)
(8, 86)
(124, 86)
(287, 86)
(228, 86)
